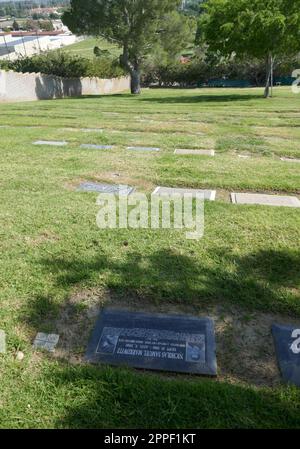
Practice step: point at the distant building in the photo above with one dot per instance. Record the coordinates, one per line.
(6, 24)
(44, 11)
(59, 26)
(19, 44)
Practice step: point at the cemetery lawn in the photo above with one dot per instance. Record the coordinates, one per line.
(85, 48)
(57, 268)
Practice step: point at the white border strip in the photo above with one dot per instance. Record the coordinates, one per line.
(213, 195)
(289, 159)
(212, 152)
(92, 146)
(155, 191)
(51, 143)
(233, 198)
(143, 148)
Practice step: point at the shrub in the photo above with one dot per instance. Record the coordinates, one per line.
(105, 67)
(200, 70)
(175, 73)
(65, 65)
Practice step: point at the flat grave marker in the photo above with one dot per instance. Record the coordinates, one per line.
(46, 341)
(2, 342)
(92, 130)
(265, 200)
(176, 343)
(169, 191)
(83, 130)
(89, 146)
(194, 152)
(289, 159)
(143, 148)
(51, 143)
(287, 346)
(105, 188)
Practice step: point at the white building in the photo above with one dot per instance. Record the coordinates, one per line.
(13, 46)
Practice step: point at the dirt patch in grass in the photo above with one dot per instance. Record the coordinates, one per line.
(123, 178)
(75, 323)
(74, 184)
(223, 195)
(44, 237)
(245, 349)
(111, 178)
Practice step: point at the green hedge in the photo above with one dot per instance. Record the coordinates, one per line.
(204, 71)
(65, 65)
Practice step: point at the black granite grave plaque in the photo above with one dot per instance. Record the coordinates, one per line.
(152, 341)
(287, 345)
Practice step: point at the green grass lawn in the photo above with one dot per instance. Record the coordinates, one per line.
(85, 48)
(57, 268)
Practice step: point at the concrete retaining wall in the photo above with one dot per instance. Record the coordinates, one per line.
(36, 86)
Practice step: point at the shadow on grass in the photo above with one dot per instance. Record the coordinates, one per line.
(117, 96)
(257, 281)
(119, 398)
(105, 397)
(267, 280)
(201, 98)
(197, 98)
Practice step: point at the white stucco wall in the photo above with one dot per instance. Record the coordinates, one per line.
(36, 86)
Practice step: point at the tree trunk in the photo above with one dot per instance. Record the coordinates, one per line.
(135, 82)
(272, 75)
(269, 71)
(134, 70)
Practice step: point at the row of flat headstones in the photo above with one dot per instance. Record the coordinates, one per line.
(91, 146)
(286, 340)
(236, 198)
(178, 151)
(133, 148)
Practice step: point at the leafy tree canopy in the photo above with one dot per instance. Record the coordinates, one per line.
(136, 25)
(256, 28)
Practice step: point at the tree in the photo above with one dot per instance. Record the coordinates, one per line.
(46, 25)
(16, 26)
(263, 29)
(137, 26)
(31, 25)
(54, 16)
